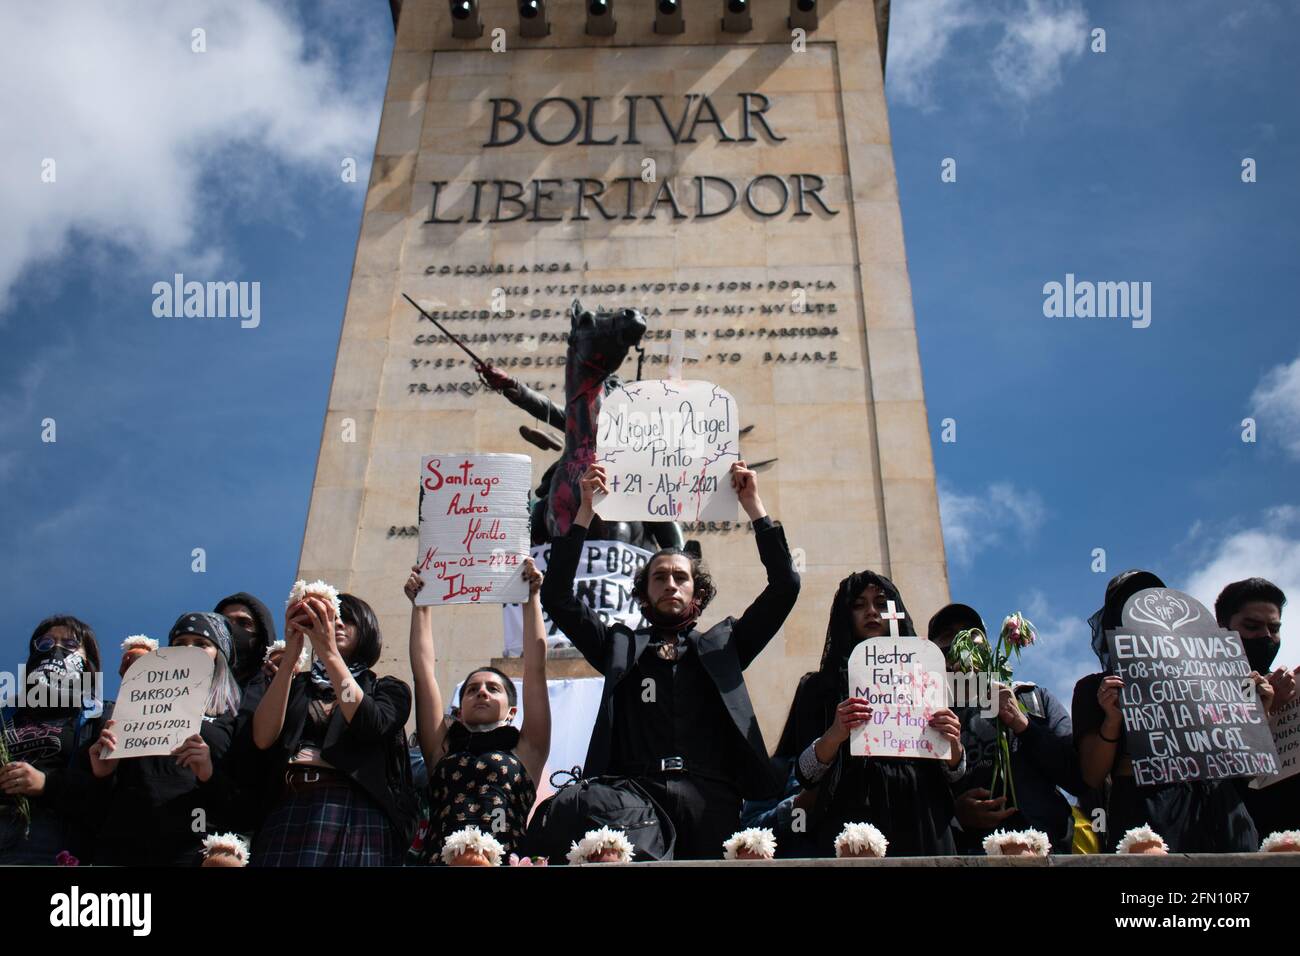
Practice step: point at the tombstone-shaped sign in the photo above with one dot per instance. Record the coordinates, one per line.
(667, 448)
(905, 681)
(473, 528)
(161, 702)
(1190, 709)
(1285, 725)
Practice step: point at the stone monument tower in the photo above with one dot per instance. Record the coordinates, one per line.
(722, 166)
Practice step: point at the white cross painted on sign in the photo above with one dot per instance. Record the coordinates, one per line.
(678, 353)
(893, 617)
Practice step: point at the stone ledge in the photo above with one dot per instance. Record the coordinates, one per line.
(1092, 860)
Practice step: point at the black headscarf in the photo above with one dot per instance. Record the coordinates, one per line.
(1111, 614)
(250, 647)
(821, 691)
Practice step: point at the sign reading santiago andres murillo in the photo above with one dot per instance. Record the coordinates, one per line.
(1190, 708)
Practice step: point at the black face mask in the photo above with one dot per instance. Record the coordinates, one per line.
(1260, 652)
(247, 645)
(52, 678)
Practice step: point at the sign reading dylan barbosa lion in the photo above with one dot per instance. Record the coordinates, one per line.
(667, 447)
(161, 702)
(603, 582)
(473, 528)
(903, 678)
(1190, 708)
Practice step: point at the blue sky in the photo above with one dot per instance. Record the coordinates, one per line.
(1072, 434)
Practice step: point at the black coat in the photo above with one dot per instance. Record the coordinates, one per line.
(725, 649)
(370, 749)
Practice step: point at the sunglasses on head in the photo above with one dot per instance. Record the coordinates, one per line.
(46, 643)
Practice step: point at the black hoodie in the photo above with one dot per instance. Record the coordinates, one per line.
(250, 649)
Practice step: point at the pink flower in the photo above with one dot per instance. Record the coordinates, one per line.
(66, 859)
(517, 860)
(1018, 632)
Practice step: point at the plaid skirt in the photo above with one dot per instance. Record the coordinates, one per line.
(334, 826)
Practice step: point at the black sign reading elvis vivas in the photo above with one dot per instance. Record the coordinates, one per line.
(1190, 708)
(626, 197)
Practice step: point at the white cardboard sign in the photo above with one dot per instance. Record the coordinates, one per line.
(667, 447)
(904, 680)
(473, 528)
(161, 702)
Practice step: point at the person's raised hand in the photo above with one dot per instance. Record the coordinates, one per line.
(194, 755)
(321, 633)
(745, 482)
(1009, 711)
(853, 712)
(1284, 687)
(1108, 696)
(594, 482)
(1265, 689)
(948, 724)
(533, 577)
(106, 744)
(976, 810)
(414, 584)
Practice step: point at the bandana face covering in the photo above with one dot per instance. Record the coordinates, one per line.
(55, 682)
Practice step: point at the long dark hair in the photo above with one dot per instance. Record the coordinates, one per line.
(821, 691)
(369, 641)
(79, 628)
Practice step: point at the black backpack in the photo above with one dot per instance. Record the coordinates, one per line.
(581, 805)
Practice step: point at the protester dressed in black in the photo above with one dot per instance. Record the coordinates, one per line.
(252, 630)
(908, 799)
(335, 787)
(1199, 816)
(60, 713)
(674, 713)
(148, 807)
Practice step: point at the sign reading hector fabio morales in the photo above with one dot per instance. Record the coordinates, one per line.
(1190, 708)
(667, 447)
(903, 678)
(161, 702)
(603, 583)
(474, 528)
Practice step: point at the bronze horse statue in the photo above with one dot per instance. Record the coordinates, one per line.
(598, 344)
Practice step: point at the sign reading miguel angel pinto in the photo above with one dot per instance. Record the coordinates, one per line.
(1191, 711)
(667, 447)
(474, 528)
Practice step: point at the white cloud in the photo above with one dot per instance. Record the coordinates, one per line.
(1036, 38)
(1270, 550)
(135, 122)
(919, 36)
(1035, 46)
(1000, 514)
(1275, 403)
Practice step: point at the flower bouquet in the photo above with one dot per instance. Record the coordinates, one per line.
(971, 653)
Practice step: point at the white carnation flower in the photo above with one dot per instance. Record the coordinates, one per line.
(857, 838)
(472, 840)
(1282, 841)
(302, 589)
(230, 843)
(597, 840)
(1138, 836)
(139, 640)
(995, 844)
(757, 840)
